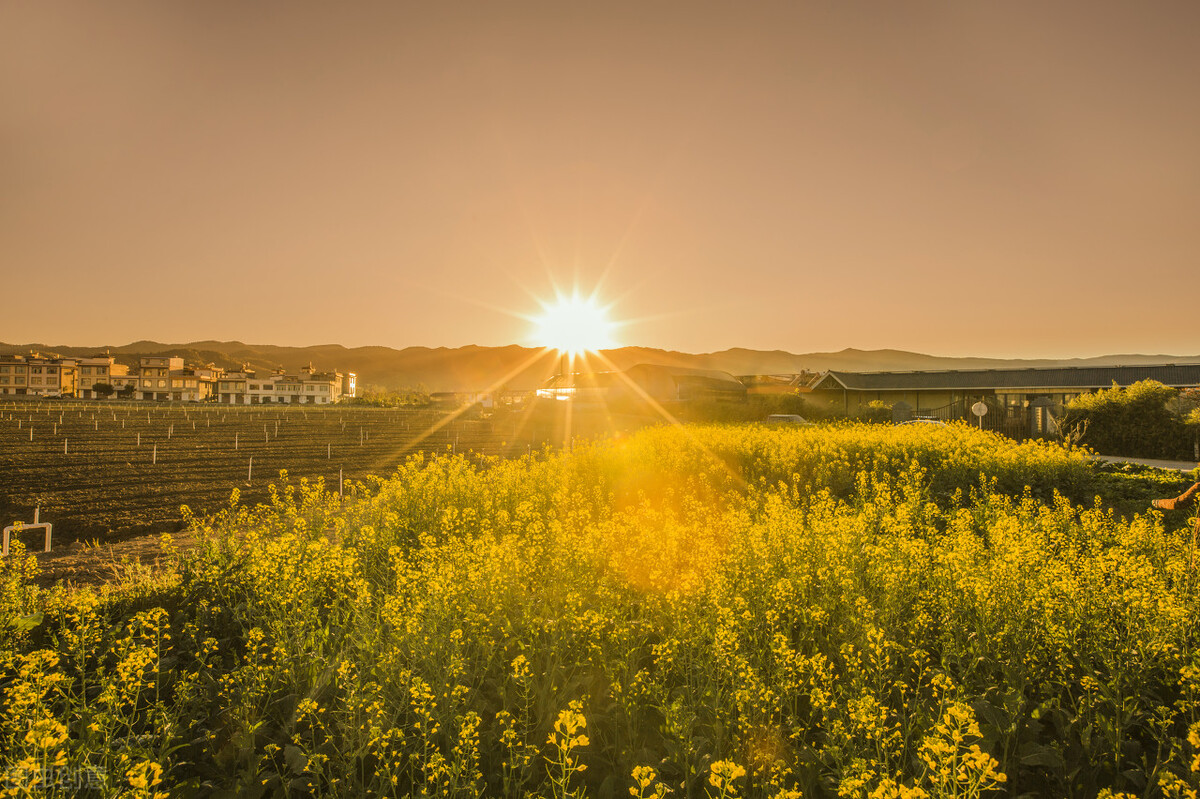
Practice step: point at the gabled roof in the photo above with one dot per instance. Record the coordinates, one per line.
(1072, 377)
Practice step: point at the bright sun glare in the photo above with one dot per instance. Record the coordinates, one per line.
(574, 325)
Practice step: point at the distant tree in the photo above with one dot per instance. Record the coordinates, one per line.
(1138, 421)
(382, 398)
(1192, 424)
(103, 390)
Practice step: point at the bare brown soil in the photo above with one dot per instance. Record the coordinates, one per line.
(78, 563)
(112, 476)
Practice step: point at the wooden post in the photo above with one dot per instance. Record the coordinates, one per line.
(339, 482)
(235, 444)
(250, 469)
(154, 455)
(65, 446)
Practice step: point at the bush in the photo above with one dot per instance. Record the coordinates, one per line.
(1135, 421)
(875, 412)
(405, 398)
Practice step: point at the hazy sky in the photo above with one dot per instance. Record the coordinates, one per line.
(989, 178)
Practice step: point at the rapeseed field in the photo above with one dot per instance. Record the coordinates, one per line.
(740, 611)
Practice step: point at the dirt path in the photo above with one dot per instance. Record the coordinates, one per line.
(84, 564)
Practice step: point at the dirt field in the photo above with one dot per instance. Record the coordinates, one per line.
(109, 471)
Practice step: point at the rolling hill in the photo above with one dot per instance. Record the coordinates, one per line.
(474, 368)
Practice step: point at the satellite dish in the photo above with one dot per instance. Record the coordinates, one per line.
(979, 409)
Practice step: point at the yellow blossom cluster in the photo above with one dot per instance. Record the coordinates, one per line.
(867, 612)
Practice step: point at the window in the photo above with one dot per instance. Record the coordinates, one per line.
(162, 383)
(268, 387)
(4, 368)
(18, 379)
(4, 380)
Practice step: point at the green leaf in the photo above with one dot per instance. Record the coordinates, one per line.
(1043, 756)
(295, 759)
(26, 623)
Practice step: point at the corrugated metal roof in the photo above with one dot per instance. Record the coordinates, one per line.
(1069, 378)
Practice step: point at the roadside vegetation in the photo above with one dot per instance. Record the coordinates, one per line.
(1146, 419)
(759, 611)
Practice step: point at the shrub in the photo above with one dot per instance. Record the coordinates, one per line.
(1135, 421)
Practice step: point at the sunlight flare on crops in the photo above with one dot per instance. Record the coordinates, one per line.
(850, 610)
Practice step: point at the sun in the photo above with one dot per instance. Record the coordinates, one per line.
(574, 325)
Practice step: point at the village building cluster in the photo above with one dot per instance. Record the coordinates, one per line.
(1019, 401)
(166, 377)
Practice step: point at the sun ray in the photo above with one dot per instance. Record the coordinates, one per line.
(450, 417)
(671, 419)
(573, 325)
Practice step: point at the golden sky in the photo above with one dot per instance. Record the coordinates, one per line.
(960, 178)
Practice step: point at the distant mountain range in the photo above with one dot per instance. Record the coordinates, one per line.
(475, 368)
